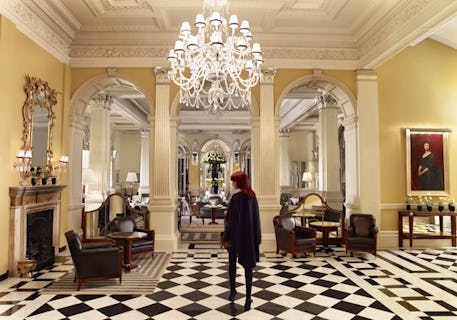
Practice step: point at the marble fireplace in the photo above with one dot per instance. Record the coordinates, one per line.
(34, 224)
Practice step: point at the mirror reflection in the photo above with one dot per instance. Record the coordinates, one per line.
(39, 120)
(96, 219)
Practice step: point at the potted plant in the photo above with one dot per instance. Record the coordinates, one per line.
(408, 202)
(451, 205)
(420, 202)
(429, 203)
(440, 204)
(33, 173)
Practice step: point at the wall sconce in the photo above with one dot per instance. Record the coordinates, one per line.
(307, 178)
(23, 164)
(62, 165)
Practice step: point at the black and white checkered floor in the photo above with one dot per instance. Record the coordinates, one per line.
(398, 284)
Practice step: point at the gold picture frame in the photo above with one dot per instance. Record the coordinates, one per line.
(427, 162)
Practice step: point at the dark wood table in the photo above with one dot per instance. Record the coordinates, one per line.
(325, 227)
(213, 212)
(411, 235)
(127, 239)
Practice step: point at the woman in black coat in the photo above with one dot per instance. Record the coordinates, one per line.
(242, 233)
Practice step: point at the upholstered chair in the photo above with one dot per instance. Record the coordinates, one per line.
(94, 260)
(139, 246)
(361, 233)
(292, 238)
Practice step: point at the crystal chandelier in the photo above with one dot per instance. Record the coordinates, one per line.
(216, 67)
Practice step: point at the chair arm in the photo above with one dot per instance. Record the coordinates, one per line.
(374, 230)
(350, 230)
(98, 244)
(150, 233)
(99, 251)
(305, 232)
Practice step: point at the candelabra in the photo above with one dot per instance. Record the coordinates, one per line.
(23, 164)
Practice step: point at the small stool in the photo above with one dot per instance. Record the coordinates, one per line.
(25, 267)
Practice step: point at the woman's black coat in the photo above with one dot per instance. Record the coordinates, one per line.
(242, 228)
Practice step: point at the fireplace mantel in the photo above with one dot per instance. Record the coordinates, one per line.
(25, 200)
(28, 195)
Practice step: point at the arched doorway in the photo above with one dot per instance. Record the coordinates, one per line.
(118, 92)
(300, 106)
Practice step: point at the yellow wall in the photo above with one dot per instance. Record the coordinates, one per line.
(143, 78)
(417, 89)
(20, 56)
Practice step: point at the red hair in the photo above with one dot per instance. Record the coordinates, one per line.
(242, 182)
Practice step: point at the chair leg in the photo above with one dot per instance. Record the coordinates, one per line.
(79, 285)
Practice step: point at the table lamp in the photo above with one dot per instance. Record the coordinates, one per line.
(307, 178)
(131, 178)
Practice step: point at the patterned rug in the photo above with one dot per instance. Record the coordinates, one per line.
(141, 280)
(207, 237)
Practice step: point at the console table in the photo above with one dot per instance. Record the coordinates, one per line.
(411, 235)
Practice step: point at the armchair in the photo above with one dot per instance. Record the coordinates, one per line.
(94, 261)
(128, 224)
(292, 238)
(361, 233)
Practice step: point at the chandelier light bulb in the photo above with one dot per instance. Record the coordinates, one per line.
(244, 28)
(185, 28)
(200, 21)
(233, 22)
(216, 19)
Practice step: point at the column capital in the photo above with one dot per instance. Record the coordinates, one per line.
(161, 74)
(267, 75)
(145, 134)
(326, 101)
(102, 100)
(284, 132)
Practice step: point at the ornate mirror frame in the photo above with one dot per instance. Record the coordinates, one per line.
(38, 93)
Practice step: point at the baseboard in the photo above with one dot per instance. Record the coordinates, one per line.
(61, 249)
(4, 276)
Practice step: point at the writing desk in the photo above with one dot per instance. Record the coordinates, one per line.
(412, 235)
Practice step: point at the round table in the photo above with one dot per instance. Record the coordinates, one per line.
(127, 239)
(325, 227)
(213, 211)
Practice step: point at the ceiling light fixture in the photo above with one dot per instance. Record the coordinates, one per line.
(216, 67)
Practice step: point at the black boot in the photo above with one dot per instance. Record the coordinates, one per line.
(247, 304)
(232, 295)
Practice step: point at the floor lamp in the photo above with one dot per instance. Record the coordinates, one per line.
(131, 178)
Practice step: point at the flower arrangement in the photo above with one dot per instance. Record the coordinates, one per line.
(214, 157)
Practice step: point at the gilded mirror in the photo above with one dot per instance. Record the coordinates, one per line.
(39, 120)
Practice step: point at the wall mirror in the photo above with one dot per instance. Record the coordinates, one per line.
(39, 120)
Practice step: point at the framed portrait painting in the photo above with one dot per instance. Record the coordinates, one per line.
(427, 162)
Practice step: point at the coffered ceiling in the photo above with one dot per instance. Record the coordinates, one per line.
(317, 34)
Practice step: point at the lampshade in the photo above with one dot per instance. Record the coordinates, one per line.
(307, 177)
(64, 159)
(131, 177)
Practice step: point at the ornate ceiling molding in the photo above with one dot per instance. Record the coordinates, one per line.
(35, 28)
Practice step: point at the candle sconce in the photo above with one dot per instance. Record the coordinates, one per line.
(23, 164)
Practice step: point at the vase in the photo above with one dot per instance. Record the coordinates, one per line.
(419, 207)
(408, 207)
(440, 208)
(429, 208)
(53, 180)
(43, 181)
(451, 207)
(33, 181)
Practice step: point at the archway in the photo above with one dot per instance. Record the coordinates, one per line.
(78, 105)
(346, 101)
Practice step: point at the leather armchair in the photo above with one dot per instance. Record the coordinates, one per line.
(361, 233)
(139, 246)
(292, 238)
(94, 261)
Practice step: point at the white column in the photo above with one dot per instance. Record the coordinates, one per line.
(144, 163)
(329, 156)
(75, 167)
(163, 154)
(100, 148)
(369, 162)
(284, 158)
(265, 152)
